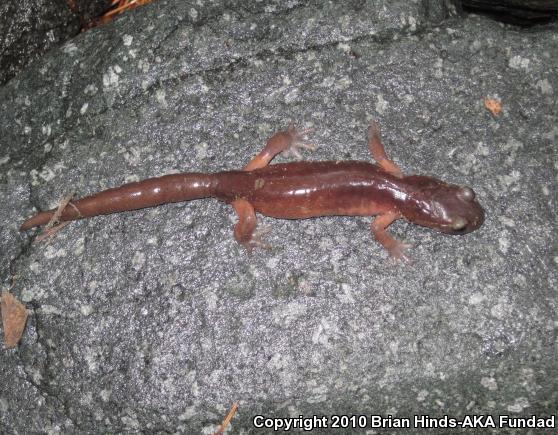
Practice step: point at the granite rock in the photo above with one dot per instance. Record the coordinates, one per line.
(29, 28)
(157, 321)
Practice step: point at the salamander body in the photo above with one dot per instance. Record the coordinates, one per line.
(300, 190)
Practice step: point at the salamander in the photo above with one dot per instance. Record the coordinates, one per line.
(300, 190)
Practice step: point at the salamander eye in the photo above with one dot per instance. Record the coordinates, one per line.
(466, 193)
(459, 223)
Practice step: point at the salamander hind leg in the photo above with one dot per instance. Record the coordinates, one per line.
(379, 153)
(245, 231)
(287, 140)
(395, 248)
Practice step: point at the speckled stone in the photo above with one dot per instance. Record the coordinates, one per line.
(29, 28)
(157, 321)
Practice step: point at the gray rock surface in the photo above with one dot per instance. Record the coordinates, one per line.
(156, 320)
(29, 28)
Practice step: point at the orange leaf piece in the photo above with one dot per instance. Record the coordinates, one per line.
(494, 105)
(14, 316)
(223, 427)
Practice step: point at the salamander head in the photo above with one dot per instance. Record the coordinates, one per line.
(444, 207)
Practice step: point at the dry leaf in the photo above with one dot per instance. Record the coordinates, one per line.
(494, 105)
(223, 427)
(14, 316)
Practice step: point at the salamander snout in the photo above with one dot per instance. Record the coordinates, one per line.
(459, 212)
(445, 207)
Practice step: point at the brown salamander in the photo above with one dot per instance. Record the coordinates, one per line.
(300, 190)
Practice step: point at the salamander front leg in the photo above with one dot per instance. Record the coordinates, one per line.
(379, 153)
(245, 230)
(290, 139)
(395, 248)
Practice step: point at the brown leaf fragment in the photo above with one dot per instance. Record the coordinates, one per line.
(118, 7)
(223, 427)
(54, 226)
(494, 105)
(14, 316)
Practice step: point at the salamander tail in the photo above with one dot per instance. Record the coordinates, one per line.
(39, 219)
